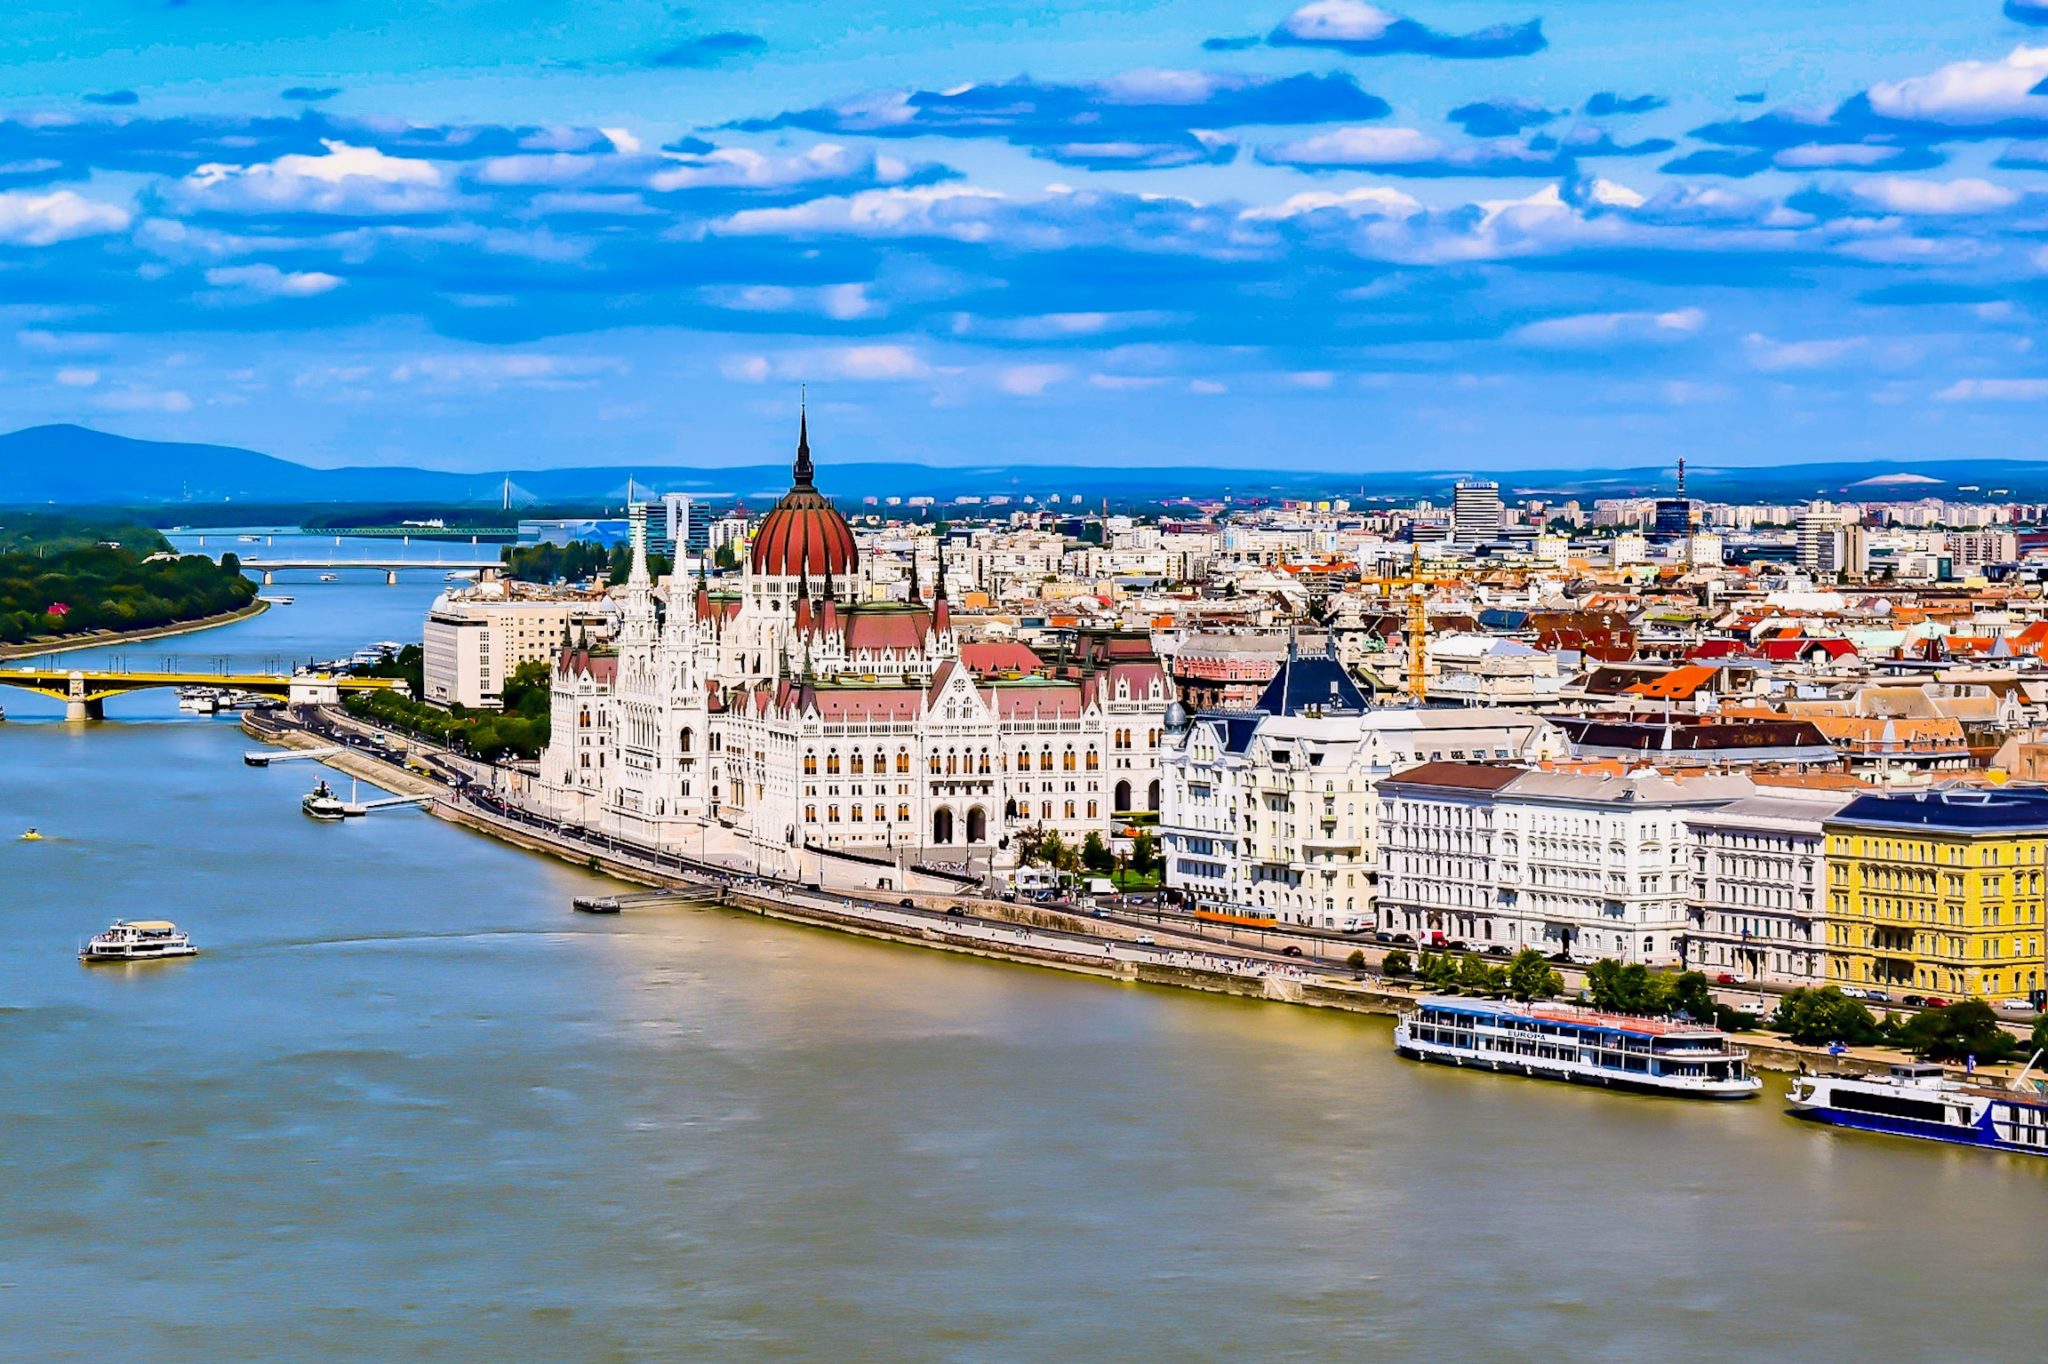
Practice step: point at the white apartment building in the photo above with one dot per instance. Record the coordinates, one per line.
(1496, 857)
(474, 639)
(1273, 812)
(1759, 883)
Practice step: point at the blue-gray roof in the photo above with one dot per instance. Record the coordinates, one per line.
(1308, 682)
(1964, 811)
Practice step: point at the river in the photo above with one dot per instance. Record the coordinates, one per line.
(407, 1105)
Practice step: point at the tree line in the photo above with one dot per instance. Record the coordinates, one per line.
(50, 593)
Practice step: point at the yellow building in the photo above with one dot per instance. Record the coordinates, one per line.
(1939, 893)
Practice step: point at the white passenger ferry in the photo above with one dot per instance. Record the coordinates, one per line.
(1562, 1042)
(1922, 1101)
(138, 940)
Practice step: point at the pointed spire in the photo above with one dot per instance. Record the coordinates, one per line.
(803, 470)
(916, 592)
(939, 591)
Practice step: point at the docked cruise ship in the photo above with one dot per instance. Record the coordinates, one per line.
(1561, 1042)
(1921, 1101)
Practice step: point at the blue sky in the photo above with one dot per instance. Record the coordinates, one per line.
(1447, 234)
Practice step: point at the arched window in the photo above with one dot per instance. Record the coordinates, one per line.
(984, 762)
(683, 740)
(856, 812)
(1045, 761)
(810, 764)
(831, 814)
(1094, 759)
(935, 764)
(903, 761)
(832, 763)
(810, 814)
(1067, 761)
(903, 814)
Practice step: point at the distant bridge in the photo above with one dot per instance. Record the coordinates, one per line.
(84, 692)
(269, 566)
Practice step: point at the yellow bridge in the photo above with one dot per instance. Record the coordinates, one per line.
(84, 691)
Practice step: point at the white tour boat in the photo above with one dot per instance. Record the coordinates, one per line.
(139, 940)
(1918, 1100)
(1563, 1042)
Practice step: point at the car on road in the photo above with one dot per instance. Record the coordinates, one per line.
(1145, 940)
(1383, 937)
(1499, 950)
(955, 912)
(1852, 992)
(1936, 1002)
(1290, 951)
(1913, 1001)
(907, 903)
(2018, 1006)
(1730, 978)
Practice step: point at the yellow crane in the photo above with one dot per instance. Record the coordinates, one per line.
(1415, 582)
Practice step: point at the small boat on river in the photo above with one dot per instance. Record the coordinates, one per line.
(322, 804)
(139, 940)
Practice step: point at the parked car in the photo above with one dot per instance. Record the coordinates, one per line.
(1498, 950)
(1877, 996)
(1852, 992)
(1936, 1002)
(1145, 940)
(1385, 937)
(2018, 1006)
(1913, 1001)
(1730, 978)
(955, 912)
(907, 903)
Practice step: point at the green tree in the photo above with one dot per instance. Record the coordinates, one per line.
(1396, 965)
(1960, 1030)
(1630, 989)
(1439, 969)
(1475, 977)
(1356, 961)
(1095, 854)
(2038, 1039)
(1056, 853)
(1689, 994)
(1814, 1017)
(1144, 854)
(1531, 977)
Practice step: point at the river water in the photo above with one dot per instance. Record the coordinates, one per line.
(407, 1105)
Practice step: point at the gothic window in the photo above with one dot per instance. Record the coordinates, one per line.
(902, 762)
(831, 814)
(810, 764)
(810, 814)
(832, 763)
(859, 764)
(686, 737)
(903, 814)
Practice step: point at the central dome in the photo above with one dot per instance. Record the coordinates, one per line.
(804, 534)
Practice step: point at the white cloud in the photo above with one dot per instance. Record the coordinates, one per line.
(1378, 201)
(1312, 379)
(746, 369)
(1968, 92)
(877, 362)
(144, 400)
(1207, 386)
(30, 219)
(1592, 329)
(1776, 356)
(270, 282)
(77, 376)
(959, 211)
(1029, 381)
(1994, 390)
(1354, 146)
(1614, 194)
(344, 180)
(1904, 194)
(744, 168)
(487, 371)
(1338, 21)
(841, 302)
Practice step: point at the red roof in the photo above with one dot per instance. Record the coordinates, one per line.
(804, 533)
(986, 657)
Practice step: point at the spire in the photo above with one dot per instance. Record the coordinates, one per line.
(803, 469)
(916, 592)
(636, 522)
(939, 591)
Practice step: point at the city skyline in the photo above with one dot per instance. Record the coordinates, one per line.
(1325, 235)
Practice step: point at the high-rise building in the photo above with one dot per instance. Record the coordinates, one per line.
(1476, 513)
(685, 525)
(1820, 539)
(1675, 517)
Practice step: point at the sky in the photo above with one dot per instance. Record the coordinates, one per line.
(1452, 234)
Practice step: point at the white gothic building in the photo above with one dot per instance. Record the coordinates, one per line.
(787, 715)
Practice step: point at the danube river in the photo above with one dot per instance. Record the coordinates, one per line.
(408, 1106)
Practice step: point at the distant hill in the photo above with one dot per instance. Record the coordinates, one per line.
(72, 465)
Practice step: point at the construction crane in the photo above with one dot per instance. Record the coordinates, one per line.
(1415, 582)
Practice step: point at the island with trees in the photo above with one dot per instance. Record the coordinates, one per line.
(67, 579)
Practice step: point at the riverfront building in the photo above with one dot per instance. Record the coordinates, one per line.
(473, 639)
(789, 715)
(1939, 891)
(1596, 865)
(1759, 886)
(1273, 810)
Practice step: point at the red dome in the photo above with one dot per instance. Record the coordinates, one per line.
(804, 534)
